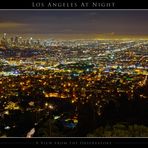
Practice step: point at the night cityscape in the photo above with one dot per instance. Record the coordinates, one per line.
(73, 74)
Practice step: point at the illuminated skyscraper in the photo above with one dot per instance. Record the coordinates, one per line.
(5, 36)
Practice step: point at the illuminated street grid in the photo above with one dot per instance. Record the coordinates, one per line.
(39, 76)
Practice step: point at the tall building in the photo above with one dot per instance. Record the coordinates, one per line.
(4, 41)
(5, 36)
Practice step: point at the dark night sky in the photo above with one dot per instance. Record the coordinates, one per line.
(74, 21)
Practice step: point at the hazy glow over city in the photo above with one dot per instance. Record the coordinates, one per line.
(74, 24)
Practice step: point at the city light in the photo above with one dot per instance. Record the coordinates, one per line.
(69, 82)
